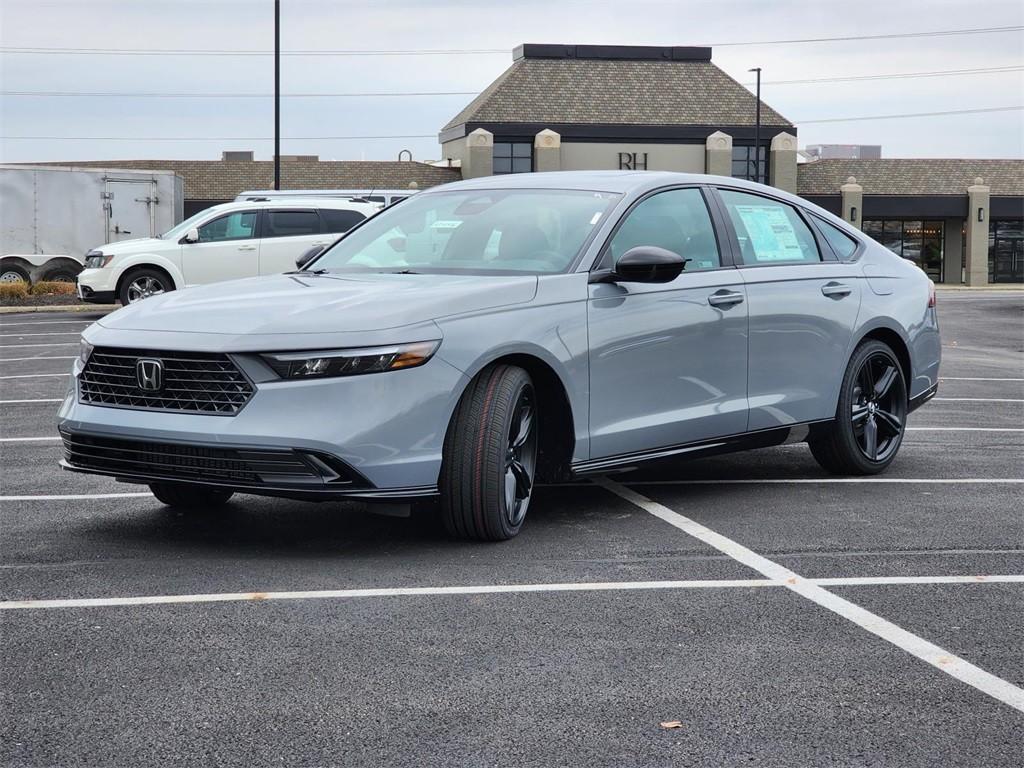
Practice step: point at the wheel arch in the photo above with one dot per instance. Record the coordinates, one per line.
(127, 272)
(896, 343)
(556, 422)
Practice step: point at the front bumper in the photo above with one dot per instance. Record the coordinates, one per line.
(85, 293)
(376, 436)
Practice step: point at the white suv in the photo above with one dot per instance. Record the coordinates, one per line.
(225, 242)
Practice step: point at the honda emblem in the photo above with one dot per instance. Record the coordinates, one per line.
(150, 374)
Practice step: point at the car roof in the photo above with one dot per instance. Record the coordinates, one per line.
(623, 182)
(299, 202)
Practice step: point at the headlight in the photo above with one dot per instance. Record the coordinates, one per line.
(350, 362)
(97, 260)
(84, 350)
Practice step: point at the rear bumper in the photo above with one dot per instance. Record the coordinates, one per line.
(286, 472)
(924, 397)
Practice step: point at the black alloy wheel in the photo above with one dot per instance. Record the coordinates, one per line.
(879, 407)
(867, 431)
(490, 456)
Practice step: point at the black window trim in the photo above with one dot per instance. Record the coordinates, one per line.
(857, 252)
(725, 248)
(264, 226)
(825, 252)
(257, 229)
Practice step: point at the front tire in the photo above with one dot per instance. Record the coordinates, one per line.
(142, 283)
(490, 456)
(870, 418)
(191, 498)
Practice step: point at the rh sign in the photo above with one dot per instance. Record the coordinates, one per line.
(632, 161)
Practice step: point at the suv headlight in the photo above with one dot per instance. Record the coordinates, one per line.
(350, 362)
(84, 350)
(97, 259)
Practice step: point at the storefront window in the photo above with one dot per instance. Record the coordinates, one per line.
(744, 167)
(513, 157)
(919, 241)
(1006, 251)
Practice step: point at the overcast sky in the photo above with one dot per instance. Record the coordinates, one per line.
(479, 24)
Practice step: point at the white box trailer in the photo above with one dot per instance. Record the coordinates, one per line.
(51, 216)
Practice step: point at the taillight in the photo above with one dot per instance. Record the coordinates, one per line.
(931, 294)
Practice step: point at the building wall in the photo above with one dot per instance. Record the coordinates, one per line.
(684, 158)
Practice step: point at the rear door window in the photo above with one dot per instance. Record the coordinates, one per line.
(339, 220)
(769, 231)
(293, 223)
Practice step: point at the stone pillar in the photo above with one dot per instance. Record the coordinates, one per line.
(853, 202)
(718, 154)
(547, 151)
(976, 271)
(952, 252)
(479, 157)
(782, 163)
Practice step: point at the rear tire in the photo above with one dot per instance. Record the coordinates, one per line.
(490, 456)
(870, 418)
(193, 498)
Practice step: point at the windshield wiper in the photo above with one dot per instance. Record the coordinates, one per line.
(404, 272)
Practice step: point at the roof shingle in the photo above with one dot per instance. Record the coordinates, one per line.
(911, 176)
(225, 179)
(594, 91)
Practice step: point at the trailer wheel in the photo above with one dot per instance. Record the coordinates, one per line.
(13, 273)
(62, 273)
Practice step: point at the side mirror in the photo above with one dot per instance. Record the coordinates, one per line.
(647, 264)
(192, 236)
(308, 256)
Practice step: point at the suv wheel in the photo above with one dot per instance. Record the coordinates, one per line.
(198, 498)
(490, 456)
(142, 283)
(871, 415)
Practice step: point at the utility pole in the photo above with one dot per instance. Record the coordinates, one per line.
(276, 94)
(757, 128)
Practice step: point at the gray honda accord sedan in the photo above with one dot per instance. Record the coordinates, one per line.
(482, 336)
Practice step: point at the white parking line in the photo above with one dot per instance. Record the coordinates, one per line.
(27, 439)
(837, 480)
(51, 333)
(491, 589)
(488, 589)
(26, 359)
(965, 429)
(5, 324)
(22, 346)
(78, 496)
(972, 378)
(34, 375)
(44, 400)
(941, 659)
(977, 400)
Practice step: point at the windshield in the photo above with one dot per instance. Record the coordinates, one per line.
(496, 231)
(179, 230)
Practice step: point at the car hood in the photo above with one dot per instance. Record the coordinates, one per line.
(137, 245)
(329, 304)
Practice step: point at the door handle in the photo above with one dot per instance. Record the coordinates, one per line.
(724, 298)
(247, 247)
(836, 290)
(323, 243)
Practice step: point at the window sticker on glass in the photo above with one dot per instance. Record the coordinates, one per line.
(771, 232)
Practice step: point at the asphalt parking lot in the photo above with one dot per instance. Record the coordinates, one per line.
(782, 617)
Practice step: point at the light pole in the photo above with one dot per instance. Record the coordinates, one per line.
(277, 94)
(757, 127)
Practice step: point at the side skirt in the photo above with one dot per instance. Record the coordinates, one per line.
(765, 438)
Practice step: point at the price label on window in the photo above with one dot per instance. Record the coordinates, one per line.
(771, 232)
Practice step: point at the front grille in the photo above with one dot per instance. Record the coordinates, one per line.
(198, 382)
(202, 463)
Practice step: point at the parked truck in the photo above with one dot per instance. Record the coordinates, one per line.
(51, 216)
